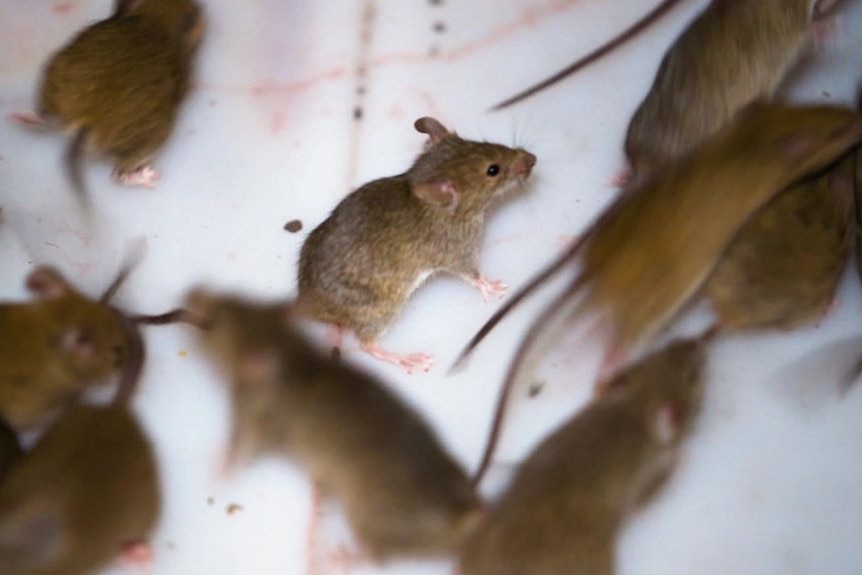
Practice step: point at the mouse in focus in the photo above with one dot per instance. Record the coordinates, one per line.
(87, 493)
(63, 343)
(782, 270)
(358, 268)
(119, 84)
(732, 54)
(568, 501)
(402, 493)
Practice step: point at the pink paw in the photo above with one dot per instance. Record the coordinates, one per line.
(489, 288)
(145, 176)
(28, 119)
(137, 554)
(622, 178)
(408, 362)
(825, 30)
(346, 558)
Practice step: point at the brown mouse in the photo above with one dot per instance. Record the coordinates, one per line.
(663, 240)
(402, 493)
(358, 268)
(10, 448)
(733, 54)
(85, 494)
(119, 85)
(55, 347)
(622, 38)
(783, 269)
(563, 510)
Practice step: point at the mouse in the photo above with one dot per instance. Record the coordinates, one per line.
(403, 494)
(662, 241)
(10, 448)
(732, 54)
(641, 25)
(63, 343)
(86, 493)
(570, 498)
(783, 268)
(119, 86)
(360, 265)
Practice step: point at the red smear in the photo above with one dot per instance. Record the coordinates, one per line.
(62, 8)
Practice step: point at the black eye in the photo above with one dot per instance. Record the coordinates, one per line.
(493, 170)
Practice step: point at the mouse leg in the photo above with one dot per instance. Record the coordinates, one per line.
(145, 176)
(408, 362)
(28, 119)
(622, 178)
(826, 29)
(137, 554)
(486, 287)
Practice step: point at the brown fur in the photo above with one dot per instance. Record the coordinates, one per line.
(403, 494)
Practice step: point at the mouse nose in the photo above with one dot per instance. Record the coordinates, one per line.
(524, 164)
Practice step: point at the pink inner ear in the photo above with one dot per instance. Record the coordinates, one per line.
(441, 193)
(47, 284)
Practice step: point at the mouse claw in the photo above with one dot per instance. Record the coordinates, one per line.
(145, 176)
(489, 288)
(408, 362)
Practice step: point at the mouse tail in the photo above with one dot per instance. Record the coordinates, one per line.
(75, 165)
(524, 349)
(134, 364)
(537, 282)
(626, 35)
(178, 315)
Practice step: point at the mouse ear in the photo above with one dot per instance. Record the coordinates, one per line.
(47, 283)
(433, 128)
(442, 193)
(32, 534)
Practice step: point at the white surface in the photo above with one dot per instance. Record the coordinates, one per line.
(771, 481)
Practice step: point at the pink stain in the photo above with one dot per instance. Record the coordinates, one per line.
(62, 8)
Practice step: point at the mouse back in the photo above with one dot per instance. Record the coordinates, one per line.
(563, 509)
(88, 487)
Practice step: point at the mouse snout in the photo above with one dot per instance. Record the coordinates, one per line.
(523, 164)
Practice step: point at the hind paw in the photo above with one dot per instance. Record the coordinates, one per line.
(145, 176)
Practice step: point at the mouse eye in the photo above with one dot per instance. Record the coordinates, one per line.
(493, 170)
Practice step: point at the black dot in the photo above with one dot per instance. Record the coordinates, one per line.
(439, 27)
(357, 113)
(293, 226)
(435, 2)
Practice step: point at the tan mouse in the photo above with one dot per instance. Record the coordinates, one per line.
(55, 347)
(118, 85)
(731, 55)
(568, 501)
(10, 448)
(358, 268)
(87, 493)
(401, 491)
(783, 268)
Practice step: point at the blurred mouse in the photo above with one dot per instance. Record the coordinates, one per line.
(119, 84)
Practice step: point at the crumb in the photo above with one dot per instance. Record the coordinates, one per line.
(183, 353)
(210, 500)
(535, 389)
(357, 113)
(439, 27)
(293, 226)
(233, 508)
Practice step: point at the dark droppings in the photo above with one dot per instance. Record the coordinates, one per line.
(293, 226)
(439, 27)
(357, 113)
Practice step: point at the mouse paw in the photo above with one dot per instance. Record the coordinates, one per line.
(137, 554)
(489, 288)
(28, 119)
(408, 362)
(622, 178)
(145, 176)
(826, 30)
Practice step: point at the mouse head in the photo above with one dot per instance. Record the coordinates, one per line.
(87, 338)
(184, 18)
(464, 176)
